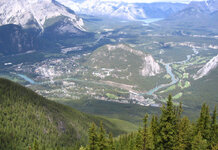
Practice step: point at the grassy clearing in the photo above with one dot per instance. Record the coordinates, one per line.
(182, 68)
(198, 60)
(178, 74)
(126, 126)
(111, 96)
(186, 84)
(177, 96)
(175, 66)
(167, 76)
(185, 75)
(173, 87)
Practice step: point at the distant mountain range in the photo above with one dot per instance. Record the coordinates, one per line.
(24, 22)
(51, 25)
(35, 14)
(199, 9)
(129, 11)
(197, 15)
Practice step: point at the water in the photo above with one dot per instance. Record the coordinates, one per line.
(173, 81)
(184, 61)
(27, 79)
(151, 20)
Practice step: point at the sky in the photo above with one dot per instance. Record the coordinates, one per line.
(149, 1)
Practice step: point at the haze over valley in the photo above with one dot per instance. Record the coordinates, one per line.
(110, 58)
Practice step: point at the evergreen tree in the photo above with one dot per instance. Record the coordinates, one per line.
(93, 138)
(173, 132)
(139, 141)
(214, 130)
(111, 142)
(82, 148)
(43, 147)
(199, 143)
(150, 141)
(102, 141)
(215, 147)
(131, 145)
(145, 132)
(35, 145)
(184, 134)
(154, 130)
(204, 122)
(167, 126)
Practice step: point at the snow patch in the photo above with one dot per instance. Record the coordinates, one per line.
(29, 13)
(106, 8)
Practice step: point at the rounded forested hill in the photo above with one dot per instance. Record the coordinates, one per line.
(27, 120)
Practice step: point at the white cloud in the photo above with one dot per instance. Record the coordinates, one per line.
(150, 1)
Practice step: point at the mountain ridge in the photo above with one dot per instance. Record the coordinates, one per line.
(26, 13)
(128, 11)
(207, 68)
(27, 117)
(46, 23)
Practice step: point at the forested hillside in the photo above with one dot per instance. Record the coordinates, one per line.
(170, 131)
(28, 120)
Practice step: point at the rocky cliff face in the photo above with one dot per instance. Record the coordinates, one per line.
(207, 68)
(24, 23)
(150, 67)
(35, 13)
(125, 55)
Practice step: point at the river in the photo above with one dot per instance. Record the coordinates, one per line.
(174, 80)
(27, 78)
(168, 68)
(151, 20)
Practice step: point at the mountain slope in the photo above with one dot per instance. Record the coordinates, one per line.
(123, 67)
(130, 11)
(38, 25)
(107, 57)
(207, 68)
(13, 39)
(28, 13)
(197, 17)
(26, 116)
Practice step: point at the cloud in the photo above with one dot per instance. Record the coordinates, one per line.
(150, 1)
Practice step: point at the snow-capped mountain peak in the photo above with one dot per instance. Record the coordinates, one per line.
(34, 13)
(130, 11)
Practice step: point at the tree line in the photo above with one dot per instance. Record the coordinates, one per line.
(170, 131)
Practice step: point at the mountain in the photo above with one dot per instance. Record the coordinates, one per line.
(107, 57)
(37, 25)
(13, 39)
(123, 67)
(130, 11)
(35, 14)
(199, 16)
(207, 68)
(196, 8)
(27, 117)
